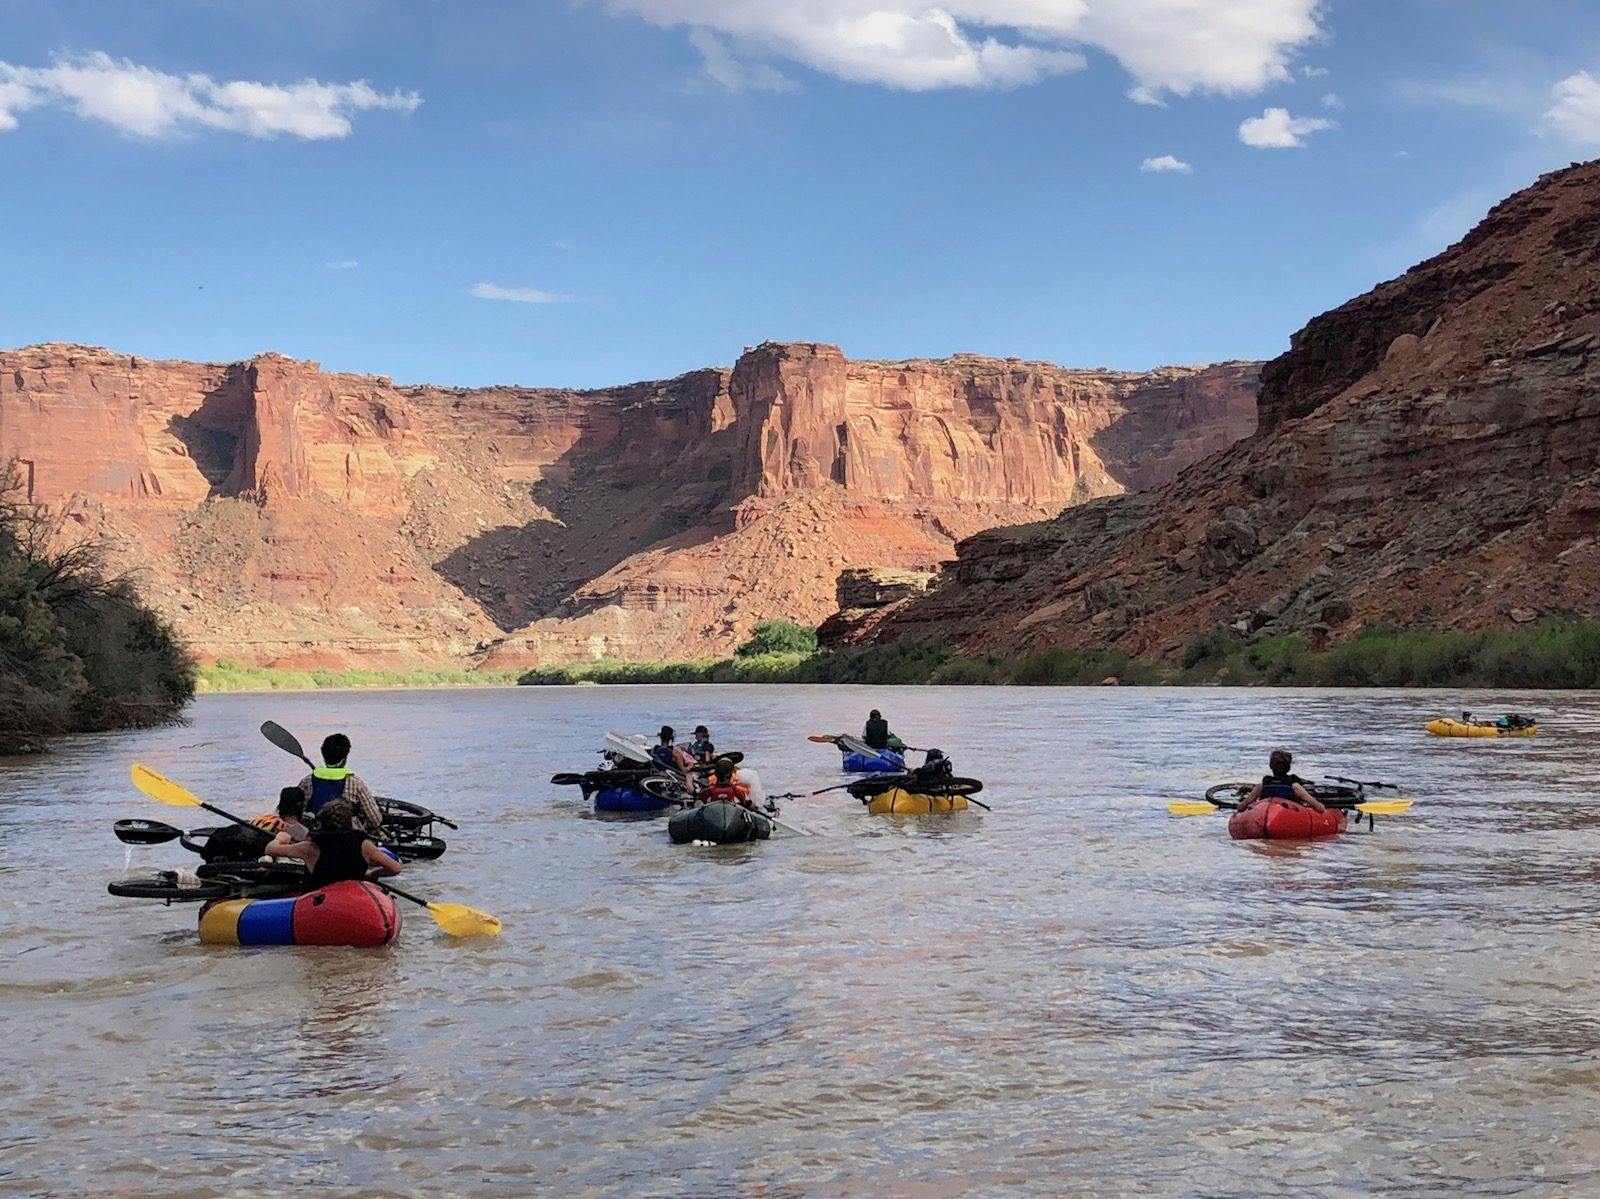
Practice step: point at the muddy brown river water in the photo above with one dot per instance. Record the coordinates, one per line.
(1076, 994)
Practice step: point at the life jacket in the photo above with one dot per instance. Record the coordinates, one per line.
(338, 857)
(702, 751)
(327, 785)
(725, 792)
(876, 734)
(1278, 786)
(665, 756)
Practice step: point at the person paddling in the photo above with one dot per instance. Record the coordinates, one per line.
(335, 780)
(723, 788)
(338, 851)
(1280, 784)
(876, 733)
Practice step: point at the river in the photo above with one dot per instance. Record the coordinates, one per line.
(1073, 994)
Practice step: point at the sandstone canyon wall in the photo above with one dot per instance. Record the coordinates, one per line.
(281, 514)
(1427, 455)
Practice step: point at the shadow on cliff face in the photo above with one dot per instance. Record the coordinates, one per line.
(605, 506)
(211, 432)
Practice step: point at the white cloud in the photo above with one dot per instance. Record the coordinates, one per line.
(1575, 115)
(1166, 164)
(1275, 129)
(1314, 72)
(518, 295)
(145, 102)
(343, 264)
(1332, 101)
(722, 66)
(1176, 47)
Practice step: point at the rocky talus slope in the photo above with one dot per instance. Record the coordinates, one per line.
(284, 515)
(1427, 455)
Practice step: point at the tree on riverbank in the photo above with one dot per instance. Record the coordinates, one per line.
(78, 651)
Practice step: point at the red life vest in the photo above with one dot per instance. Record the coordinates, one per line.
(727, 792)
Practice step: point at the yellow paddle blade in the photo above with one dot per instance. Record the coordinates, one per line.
(162, 789)
(1191, 807)
(823, 738)
(461, 921)
(1385, 807)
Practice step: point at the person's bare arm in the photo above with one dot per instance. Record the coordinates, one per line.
(281, 847)
(1250, 799)
(1310, 800)
(373, 856)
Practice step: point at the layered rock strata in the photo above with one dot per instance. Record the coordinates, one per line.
(1427, 455)
(285, 515)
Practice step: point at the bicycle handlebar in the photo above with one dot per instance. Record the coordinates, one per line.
(1335, 778)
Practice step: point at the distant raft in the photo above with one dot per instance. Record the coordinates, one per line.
(1285, 820)
(719, 821)
(355, 914)
(884, 761)
(908, 795)
(1515, 727)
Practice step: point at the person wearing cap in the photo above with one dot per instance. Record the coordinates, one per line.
(669, 756)
(1280, 784)
(701, 749)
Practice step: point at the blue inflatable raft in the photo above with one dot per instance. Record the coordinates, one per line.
(885, 761)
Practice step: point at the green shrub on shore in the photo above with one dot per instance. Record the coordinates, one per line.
(78, 651)
(1559, 654)
(224, 675)
(778, 637)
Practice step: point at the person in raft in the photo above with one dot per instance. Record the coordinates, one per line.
(701, 749)
(335, 780)
(287, 823)
(1280, 784)
(877, 733)
(722, 787)
(339, 851)
(935, 768)
(668, 755)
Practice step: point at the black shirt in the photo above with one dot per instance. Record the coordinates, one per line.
(339, 857)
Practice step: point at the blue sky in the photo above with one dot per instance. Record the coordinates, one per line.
(606, 190)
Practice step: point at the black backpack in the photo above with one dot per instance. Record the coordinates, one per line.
(235, 843)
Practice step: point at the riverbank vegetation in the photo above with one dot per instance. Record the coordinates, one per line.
(1550, 654)
(224, 675)
(78, 651)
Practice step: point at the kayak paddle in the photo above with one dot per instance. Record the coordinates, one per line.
(1372, 807)
(456, 919)
(163, 790)
(285, 740)
(145, 832)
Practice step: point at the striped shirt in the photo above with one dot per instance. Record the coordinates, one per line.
(360, 797)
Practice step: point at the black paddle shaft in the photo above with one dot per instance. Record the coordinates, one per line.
(285, 740)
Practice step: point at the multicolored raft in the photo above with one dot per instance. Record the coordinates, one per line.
(357, 914)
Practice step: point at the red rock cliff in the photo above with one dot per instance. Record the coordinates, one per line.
(1428, 455)
(283, 514)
